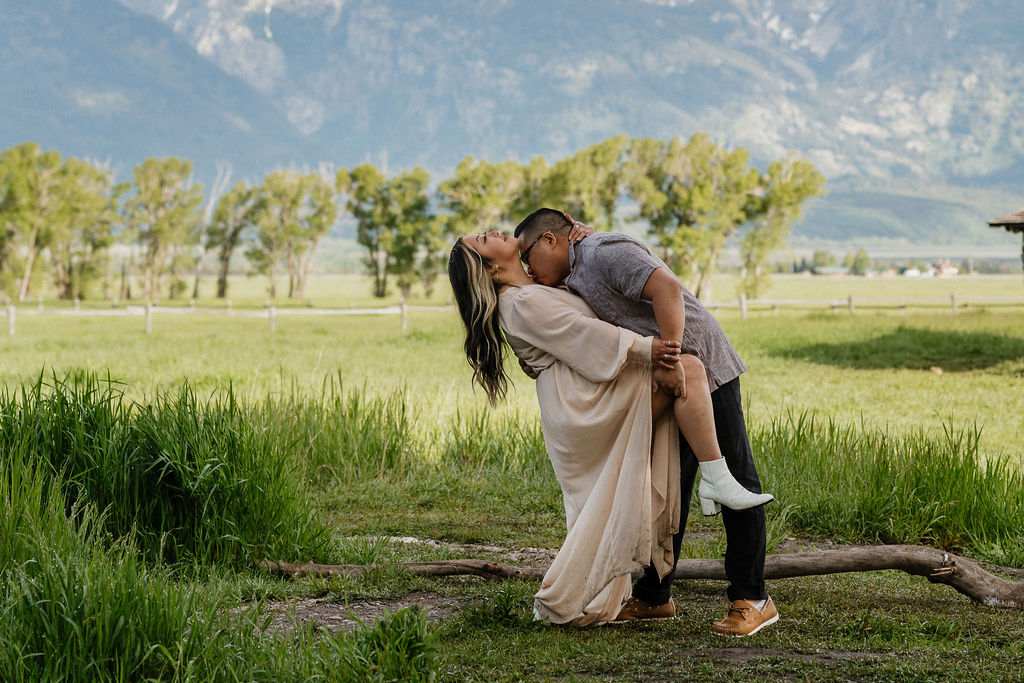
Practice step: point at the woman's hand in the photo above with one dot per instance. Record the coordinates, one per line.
(579, 231)
(665, 352)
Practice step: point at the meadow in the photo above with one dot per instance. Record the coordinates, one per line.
(145, 475)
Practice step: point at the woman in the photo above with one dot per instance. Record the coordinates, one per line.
(619, 474)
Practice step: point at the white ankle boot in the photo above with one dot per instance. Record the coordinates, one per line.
(718, 487)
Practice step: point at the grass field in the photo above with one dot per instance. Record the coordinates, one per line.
(128, 531)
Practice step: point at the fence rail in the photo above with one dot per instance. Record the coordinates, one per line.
(271, 313)
(850, 303)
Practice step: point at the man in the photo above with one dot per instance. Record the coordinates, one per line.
(625, 284)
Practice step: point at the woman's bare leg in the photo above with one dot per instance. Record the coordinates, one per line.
(694, 414)
(696, 419)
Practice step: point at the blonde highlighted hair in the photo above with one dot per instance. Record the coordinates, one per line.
(476, 294)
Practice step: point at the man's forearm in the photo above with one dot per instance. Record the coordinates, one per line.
(666, 296)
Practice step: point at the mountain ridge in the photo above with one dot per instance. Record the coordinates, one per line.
(889, 101)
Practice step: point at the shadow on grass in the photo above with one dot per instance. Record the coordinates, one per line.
(915, 349)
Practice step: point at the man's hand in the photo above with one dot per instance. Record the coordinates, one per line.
(530, 372)
(670, 381)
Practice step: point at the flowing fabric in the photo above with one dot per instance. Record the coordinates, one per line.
(619, 476)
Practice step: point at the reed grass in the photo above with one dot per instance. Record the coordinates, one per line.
(190, 481)
(872, 485)
(79, 605)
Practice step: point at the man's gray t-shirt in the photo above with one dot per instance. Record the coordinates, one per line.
(609, 272)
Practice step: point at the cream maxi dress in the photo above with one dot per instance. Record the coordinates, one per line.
(619, 476)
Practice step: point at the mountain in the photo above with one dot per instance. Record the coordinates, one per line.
(99, 81)
(910, 108)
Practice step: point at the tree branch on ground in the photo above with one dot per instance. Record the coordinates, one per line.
(938, 566)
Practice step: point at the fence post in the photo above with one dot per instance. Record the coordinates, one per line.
(273, 321)
(78, 304)
(40, 303)
(743, 305)
(11, 312)
(149, 318)
(849, 303)
(405, 315)
(229, 305)
(835, 307)
(903, 307)
(952, 301)
(776, 309)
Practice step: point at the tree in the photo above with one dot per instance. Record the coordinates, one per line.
(435, 245)
(295, 211)
(482, 196)
(785, 186)
(236, 212)
(365, 189)
(35, 207)
(822, 259)
(81, 253)
(163, 217)
(280, 200)
(221, 182)
(588, 184)
(394, 224)
(320, 213)
(409, 223)
(695, 195)
(858, 263)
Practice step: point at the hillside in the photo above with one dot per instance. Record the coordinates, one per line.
(911, 109)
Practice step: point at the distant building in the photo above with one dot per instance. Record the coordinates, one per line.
(945, 268)
(832, 271)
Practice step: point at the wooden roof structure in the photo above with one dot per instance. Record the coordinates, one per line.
(1014, 222)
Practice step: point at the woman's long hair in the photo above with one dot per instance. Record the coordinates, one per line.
(476, 294)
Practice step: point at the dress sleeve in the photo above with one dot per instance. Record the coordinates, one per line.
(593, 348)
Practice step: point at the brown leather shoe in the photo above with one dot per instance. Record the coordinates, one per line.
(744, 619)
(636, 609)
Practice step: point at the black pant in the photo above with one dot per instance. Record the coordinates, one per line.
(745, 530)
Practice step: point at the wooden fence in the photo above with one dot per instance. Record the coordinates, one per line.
(271, 313)
(954, 301)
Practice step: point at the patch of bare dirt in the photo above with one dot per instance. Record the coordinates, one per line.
(526, 557)
(739, 655)
(287, 616)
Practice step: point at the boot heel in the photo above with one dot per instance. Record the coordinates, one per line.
(709, 507)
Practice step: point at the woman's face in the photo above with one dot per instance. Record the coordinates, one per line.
(493, 246)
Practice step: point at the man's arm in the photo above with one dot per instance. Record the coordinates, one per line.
(665, 293)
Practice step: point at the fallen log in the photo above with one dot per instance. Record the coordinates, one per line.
(966, 576)
(483, 568)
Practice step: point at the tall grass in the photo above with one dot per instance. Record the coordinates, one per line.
(78, 605)
(350, 435)
(190, 481)
(868, 484)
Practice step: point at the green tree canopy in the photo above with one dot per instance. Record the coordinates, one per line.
(163, 217)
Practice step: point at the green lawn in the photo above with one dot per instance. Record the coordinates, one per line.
(411, 449)
(874, 366)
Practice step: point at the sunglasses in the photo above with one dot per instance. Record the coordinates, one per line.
(525, 256)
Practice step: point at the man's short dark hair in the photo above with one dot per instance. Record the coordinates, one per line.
(541, 221)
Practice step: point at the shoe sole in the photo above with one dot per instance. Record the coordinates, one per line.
(747, 635)
(630, 621)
